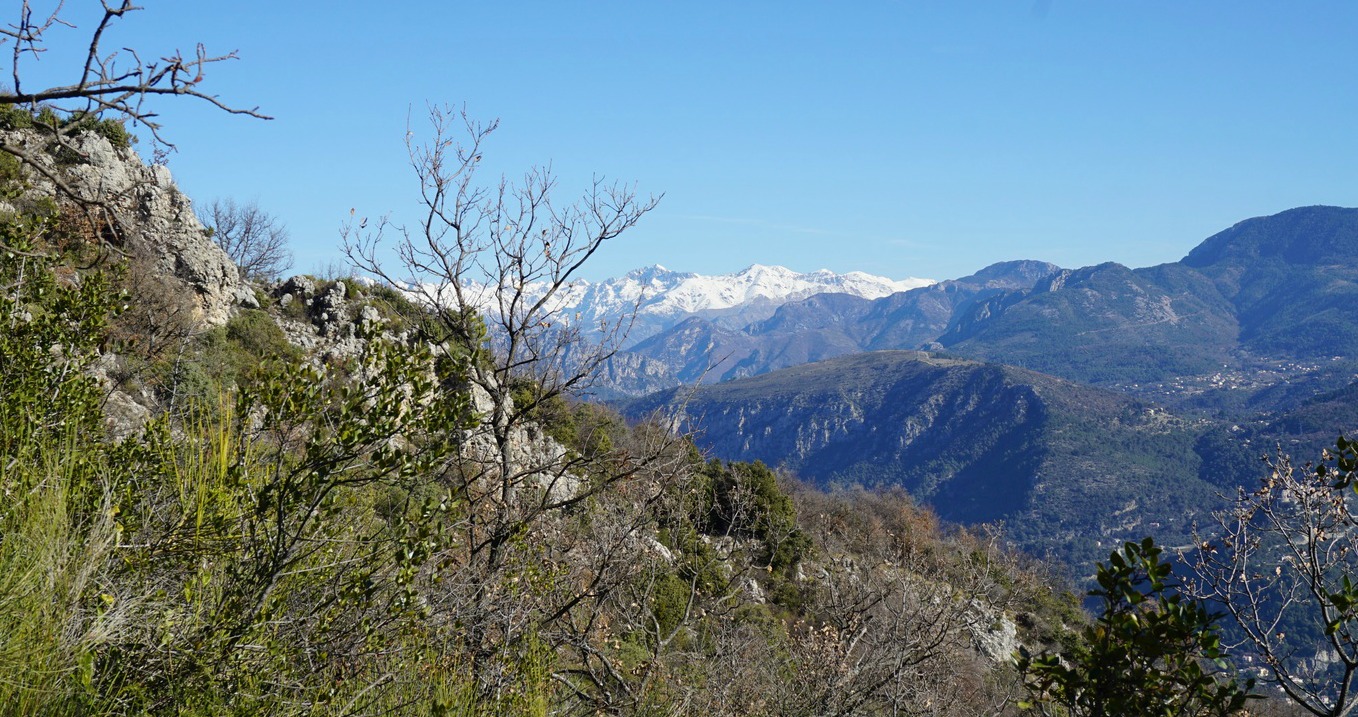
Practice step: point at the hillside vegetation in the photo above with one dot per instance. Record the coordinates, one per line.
(297, 511)
(1070, 470)
(230, 495)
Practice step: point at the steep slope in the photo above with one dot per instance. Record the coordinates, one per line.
(1105, 323)
(1291, 279)
(156, 227)
(1070, 469)
(695, 349)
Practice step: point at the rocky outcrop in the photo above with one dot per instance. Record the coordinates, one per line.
(993, 633)
(156, 223)
(332, 320)
(542, 461)
(323, 319)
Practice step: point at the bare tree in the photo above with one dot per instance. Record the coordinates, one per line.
(889, 613)
(1284, 562)
(488, 265)
(106, 85)
(501, 256)
(893, 618)
(116, 82)
(256, 240)
(680, 610)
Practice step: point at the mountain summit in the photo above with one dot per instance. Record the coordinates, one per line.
(1304, 235)
(663, 298)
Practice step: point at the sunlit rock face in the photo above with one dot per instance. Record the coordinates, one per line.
(156, 220)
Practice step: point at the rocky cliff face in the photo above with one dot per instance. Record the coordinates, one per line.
(156, 220)
(180, 283)
(1070, 469)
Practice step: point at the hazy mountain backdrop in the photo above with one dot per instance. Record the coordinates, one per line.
(1080, 407)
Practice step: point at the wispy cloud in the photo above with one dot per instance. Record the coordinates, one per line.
(907, 243)
(898, 242)
(742, 221)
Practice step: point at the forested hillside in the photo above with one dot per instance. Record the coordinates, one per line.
(382, 491)
(323, 495)
(1070, 470)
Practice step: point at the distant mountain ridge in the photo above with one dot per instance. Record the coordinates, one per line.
(1291, 278)
(662, 298)
(815, 328)
(1103, 324)
(1080, 406)
(1264, 293)
(1250, 301)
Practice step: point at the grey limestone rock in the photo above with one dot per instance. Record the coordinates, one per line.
(332, 312)
(123, 416)
(245, 298)
(326, 322)
(157, 221)
(297, 288)
(994, 635)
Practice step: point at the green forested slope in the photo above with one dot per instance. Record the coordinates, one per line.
(1068, 468)
(307, 510)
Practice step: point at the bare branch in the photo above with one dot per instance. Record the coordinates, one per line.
(1281, 562)
(487, 262)
(105, 85)
(108, 87)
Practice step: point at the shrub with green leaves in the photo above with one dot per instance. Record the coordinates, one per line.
(14, 117)
(224, 564)
(1152, 652)
(746, 501)
(51, 331)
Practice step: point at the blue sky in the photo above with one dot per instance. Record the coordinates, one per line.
(900, 138)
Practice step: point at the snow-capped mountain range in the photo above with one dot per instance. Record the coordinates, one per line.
(662, 298)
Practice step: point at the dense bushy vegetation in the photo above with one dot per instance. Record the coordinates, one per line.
(114, 130)
(429, 523)
(290, 536)
(307, 538)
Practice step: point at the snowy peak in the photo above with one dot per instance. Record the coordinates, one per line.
(662, 297)
(669, 293)
(651, 274)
